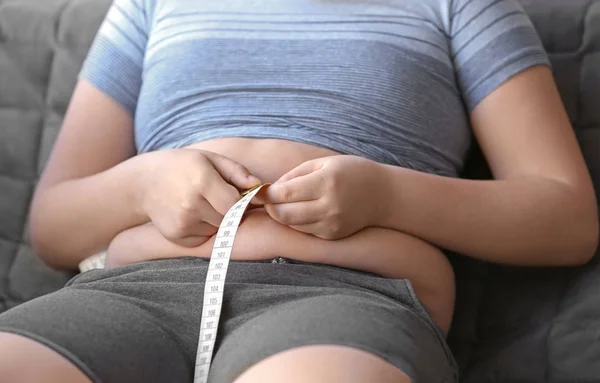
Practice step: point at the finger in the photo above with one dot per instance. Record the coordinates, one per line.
(302, 169)
(203, 229)
(192, 241)
(208, 214)
(296, 213)
(303, 188)
(219, 193)
(310, 228)
(233, 172)
(260, 197)
(318, 229)
(189, 235)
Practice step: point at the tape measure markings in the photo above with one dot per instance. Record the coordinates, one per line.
(215, 283)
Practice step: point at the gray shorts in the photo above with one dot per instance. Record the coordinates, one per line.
(140, 323)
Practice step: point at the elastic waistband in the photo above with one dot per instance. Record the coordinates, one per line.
(289, 261)
(274, 260)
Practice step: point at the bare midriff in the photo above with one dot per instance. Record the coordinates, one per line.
(385, 252)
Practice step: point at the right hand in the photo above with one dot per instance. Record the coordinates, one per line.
(186, 192)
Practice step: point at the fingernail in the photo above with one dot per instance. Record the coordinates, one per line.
(253, 179)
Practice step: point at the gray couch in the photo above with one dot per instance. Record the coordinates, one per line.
(511, 325)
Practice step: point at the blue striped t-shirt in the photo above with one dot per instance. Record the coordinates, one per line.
(390, 80)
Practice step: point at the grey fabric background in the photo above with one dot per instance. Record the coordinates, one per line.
(511, 325)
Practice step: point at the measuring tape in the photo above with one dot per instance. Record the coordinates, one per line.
(215, 281)
(94, 262)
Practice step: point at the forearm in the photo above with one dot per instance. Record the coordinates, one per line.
(76, 218)
(526, 221)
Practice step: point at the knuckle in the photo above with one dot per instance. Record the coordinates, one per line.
(200, 181)
(197, 182)
(334, 181)
(238, 168)
(187, 203)
(283, 215)
(286, 192)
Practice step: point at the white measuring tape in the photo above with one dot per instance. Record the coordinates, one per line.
(215, 282)
(214, 285)
(94, 262)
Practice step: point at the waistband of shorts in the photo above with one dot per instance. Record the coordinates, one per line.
(273, 260)
(283, 260)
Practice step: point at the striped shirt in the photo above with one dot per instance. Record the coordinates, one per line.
(389, 80)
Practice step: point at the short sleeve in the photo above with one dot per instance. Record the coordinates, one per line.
(115, 60)
(491, 41)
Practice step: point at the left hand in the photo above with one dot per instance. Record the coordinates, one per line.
(330, 197)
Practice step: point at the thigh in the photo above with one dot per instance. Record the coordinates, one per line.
(25, 360)
(323, 364)
(331, 316)
(121, 325)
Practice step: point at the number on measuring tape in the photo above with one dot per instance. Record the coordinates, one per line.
(215, 283)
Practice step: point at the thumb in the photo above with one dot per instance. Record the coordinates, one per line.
(233, 172)
(302, 170)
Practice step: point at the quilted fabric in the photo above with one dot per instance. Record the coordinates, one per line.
(511, 325)
(540, 325)
(42, 46)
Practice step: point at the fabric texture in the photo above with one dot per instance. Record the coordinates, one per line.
(375, 79)
(511, 325)
(140, 323)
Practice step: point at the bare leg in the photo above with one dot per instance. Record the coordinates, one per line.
(323, 364)
(23, 360)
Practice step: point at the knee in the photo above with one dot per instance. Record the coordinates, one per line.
(23, 360)
(323, 364)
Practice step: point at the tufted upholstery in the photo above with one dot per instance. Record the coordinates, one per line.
(512, 325)
(540, 325)
(42, 46)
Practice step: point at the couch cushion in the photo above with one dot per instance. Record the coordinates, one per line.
(42, 47)
(540, 325)
(511, 325)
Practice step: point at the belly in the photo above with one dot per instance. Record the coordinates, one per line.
(267, 159)
(382, 251)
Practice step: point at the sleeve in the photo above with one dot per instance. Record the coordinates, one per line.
(491, 41)
(115, 60)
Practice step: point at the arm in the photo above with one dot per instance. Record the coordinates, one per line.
(87, 193)
(92, 189)
(541, 207)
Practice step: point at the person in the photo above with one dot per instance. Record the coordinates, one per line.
(361, 115)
